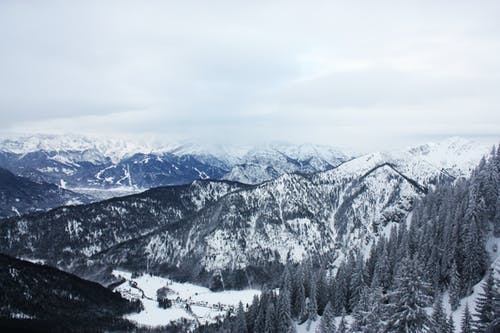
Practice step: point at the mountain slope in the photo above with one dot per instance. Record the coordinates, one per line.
(80, 163)
(286, 219)
(242, 232)
(19, 195)
(268, 162)
(65, 234)
(57, 300)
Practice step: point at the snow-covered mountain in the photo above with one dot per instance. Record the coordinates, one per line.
(267, 162)
(82, 163)
(241, 231)
(19, 195)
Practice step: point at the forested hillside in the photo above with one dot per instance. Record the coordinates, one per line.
(40, 298)
(407, 280)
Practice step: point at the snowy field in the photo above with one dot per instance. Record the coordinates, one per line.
(189, 301)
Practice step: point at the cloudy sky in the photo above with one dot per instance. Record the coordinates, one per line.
(358, 74)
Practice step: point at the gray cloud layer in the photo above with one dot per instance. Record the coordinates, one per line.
(356, 74)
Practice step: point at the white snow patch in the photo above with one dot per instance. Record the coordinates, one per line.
(192, 302)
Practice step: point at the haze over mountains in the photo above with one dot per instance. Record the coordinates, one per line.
(83, 163)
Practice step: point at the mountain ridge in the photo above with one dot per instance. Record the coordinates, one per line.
(207, 227)
(81, 164)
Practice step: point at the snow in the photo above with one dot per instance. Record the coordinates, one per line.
(94, 147)
(152, 315)
(14, 209)
(206, 306)
(310, 327)
(454, 157)
(102, 194)
(493, 248)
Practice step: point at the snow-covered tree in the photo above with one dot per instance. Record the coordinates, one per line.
(299, 304)
(343, 326)
(327, 321)
(455, 286)
(438, 321)
(450, 327)
(485, 310)
(369, 314)
(408, 300)
(270, 325)
(466, 323)
(284, 324)
(241, 321)
(311, 304)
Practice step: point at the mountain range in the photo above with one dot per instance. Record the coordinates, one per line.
(82, 163)
(239, 233)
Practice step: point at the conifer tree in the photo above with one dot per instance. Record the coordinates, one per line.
(485, 311)
(311, 305)
(357, 281)
(270, 326)
(299, 303)
(450, 327)
(496, 295)
(343, 326)
(455, 286)
(241, 322)
(260, 320)
(438, 321)
(409, 300)
(322, 292)
(474, 251)
(327, 321)
(252, 313)
(368, 314)
(284, 324)
(466, 323)
(382, 274)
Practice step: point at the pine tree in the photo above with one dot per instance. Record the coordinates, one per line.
(260, 320)
(496, 294)
(252, 313)
(343, 326)
(473, 251)
(455, 284)
(370, 264)
(241, 321)
(485, 311)
(342, 289)
(409, 300)
(322, 292)
(312, 305)
(327, 321)
(270, 326)
(450, 327)
(438, 322)
(286, 279)
(382, 275)
(284, 324)
(357, 281)
(466, 321)
(299, 303)
(368, 314)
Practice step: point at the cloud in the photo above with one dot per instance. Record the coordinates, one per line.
(352, 74)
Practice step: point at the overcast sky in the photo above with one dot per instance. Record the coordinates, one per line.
(359, 74)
